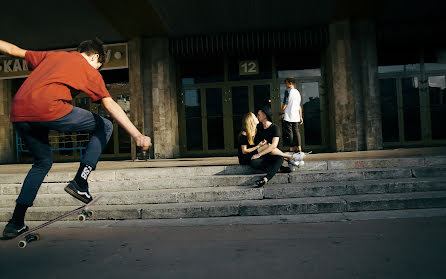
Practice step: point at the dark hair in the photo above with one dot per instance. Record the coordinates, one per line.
(290, 80)
(267, 111)
(90, 47)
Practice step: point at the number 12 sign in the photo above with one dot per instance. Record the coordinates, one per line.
(248, 67)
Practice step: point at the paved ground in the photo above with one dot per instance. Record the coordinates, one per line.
(397, 248)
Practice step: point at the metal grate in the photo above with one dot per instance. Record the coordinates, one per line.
(236, 43)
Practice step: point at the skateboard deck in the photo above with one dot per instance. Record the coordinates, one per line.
(83, 212)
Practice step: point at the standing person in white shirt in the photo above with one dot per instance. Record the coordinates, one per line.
(291, 115)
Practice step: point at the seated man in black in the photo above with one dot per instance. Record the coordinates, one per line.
(264, 160)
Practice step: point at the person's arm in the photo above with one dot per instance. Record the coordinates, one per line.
(267, 150)
(301, 117)
(10, 49)
(246, 150)
(284, 103)
(282, 111)
(116, 112)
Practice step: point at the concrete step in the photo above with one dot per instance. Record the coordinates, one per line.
(172, 172)
(300, 176)
(339, 188)
(166, 196)
(295, 206)
(234, 193)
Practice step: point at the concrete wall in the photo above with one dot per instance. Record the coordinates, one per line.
(160, 98)
(7, 148)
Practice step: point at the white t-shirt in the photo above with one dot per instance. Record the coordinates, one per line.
(292, 101)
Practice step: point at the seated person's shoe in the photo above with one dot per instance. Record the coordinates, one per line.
(298, 156)
(293, 162)
(260, 183)
(301, 164)
(12, 230)
(285, 169)
(81, 194)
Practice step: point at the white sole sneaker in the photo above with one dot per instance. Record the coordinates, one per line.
(299, 156)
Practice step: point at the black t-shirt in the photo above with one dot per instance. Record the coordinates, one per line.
(267, 134)
(244, 159)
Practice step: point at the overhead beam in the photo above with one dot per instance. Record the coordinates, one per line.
(132, 18)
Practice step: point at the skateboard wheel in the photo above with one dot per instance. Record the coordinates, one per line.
(22, 243)
(82, 217)
(89, 213)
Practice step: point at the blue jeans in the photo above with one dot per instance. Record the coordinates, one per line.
(35, 135)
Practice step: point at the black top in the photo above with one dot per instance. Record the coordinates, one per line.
(267, 134)
(244, 159)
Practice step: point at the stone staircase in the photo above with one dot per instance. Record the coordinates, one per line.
(222, 191)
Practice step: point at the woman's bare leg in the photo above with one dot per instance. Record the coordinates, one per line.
(276, 151)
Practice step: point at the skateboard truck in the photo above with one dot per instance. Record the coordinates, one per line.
(28, 238)
(142, 155)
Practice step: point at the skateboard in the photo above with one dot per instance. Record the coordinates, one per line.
(83, 212)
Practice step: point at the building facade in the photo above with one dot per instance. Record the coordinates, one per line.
(372, 75)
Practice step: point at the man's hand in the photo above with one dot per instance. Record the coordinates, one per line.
(301, 121)
(262, 143)
(144, 142)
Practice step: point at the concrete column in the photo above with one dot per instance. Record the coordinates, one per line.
(372, 124)
(342, 108)
(355, 109)
(136, 87)
(160, 98)
(7, 148)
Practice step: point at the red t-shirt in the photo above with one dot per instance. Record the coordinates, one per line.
(45, 93)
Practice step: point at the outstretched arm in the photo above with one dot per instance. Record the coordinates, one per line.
(10, 49)
(268, 149)
(119, 115)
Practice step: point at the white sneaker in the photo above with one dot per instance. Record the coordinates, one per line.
(293, 162)
(301, 164)
(298, 156)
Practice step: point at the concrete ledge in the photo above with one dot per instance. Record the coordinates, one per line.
(376, 163)
(432, 171)
(295, 206)
(396, 201)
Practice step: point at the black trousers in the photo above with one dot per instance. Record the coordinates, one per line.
(291, 134)
(269, 163)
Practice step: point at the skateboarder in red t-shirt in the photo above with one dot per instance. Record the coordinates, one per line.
(42, 104)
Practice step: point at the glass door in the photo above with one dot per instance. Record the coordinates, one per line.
(240, 106)
(246, 98)
(436, 107)
(212, 115)
(404, 108)
(203, 127)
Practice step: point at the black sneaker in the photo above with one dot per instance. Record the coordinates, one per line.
(12, 230)
(81, 194)
(285, 169)
(259, 183)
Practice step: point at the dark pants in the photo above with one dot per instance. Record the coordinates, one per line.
(269, 163)
(36, 134)
(291, 134)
